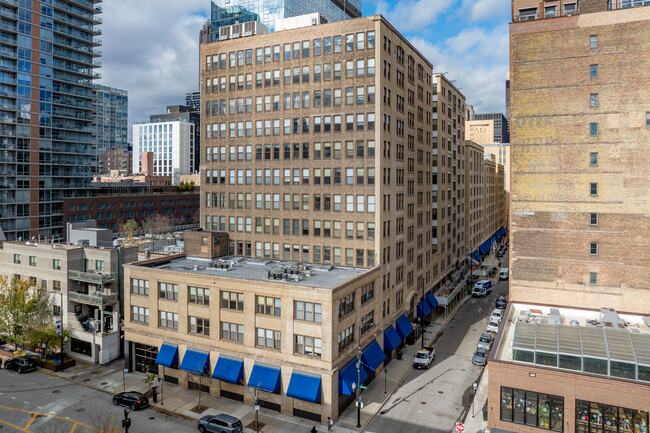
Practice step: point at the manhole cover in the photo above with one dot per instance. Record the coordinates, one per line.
(423, 402)
(81, 409)
(151, 417)
(104, 383)
(383, 412)
(440, 392)
(56, 391)
(75, 377)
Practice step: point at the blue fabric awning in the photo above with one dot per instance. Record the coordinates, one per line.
(476, 256)
(404, 327)
(391, 338)
(372, 356)
(265, 377)
(229, 369)
(423, 305)
(196, 361)
(304, 386)
(168, 355)
(433, 302)
(348, 376)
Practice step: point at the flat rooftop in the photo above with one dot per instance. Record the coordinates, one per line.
(302, 274)
(598, 342)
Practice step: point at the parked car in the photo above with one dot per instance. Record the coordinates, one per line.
(424, 357)
(504, 273)
(485, 341)
(501, 252)
(21, 365)
(480, 357)
(482, 288)
(134, 399)
(221, 423)
(501, 303)
(493, 326)
(496, 315)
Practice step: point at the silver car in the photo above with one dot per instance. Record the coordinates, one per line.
(485, 341)
(480, 357)
(221, 423)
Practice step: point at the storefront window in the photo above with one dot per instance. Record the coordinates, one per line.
(557, 413)
(582, 416)
(544, 410)
(519, 401)
(609, 421)
(533, 409)
(595, 418)
(598, 418)
(506, 404)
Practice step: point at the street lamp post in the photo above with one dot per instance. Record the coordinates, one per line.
(359, 372)
(422, 318)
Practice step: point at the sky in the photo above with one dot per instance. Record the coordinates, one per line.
(151, 47)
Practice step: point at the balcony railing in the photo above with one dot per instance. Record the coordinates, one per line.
(92, 277)
(96, 298)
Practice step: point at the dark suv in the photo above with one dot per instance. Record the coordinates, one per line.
(133, 399)
(221, 423)
(21, 365)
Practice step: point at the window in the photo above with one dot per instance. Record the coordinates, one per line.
(199, 295)
(593, 71)
(200, 326)
(593, 41)
(550, 11)
(139, 287)
(593, 219)
(346, 338)
(308, 311)
(232, 332)
(168, 320)
(17, 258)
(56, 286)
(310, 346)
(268, 338)
(232, 300)
(56, 264)
(593, 129)
(99, 265)
(531, 408)
(593, 248)
(593, 158)
(367, 292)
(169, 291)
(593, 188)
(593, 100)
(139, 314)
(346, 305)
(32, 261)
(596, 417)
(647, 118)
(268, 305)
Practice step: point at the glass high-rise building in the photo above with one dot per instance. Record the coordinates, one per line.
(112, 118)
(271, 10)
(47, 147)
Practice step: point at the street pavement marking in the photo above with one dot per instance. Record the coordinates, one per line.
(30, 421)
(35, 414)
(13, 425)
(74, 427)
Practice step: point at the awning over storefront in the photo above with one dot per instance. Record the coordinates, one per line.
(404, 327)
(168, 355)
(229, 369)
(423, 308)
(304, 386)
(372, 356)
(476, 256)
(391, 338)
(196, 361)
(265, 377)
(433, 302)
(348, 376)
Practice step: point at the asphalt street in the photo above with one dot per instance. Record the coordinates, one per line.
(41, 403)
(434, 400)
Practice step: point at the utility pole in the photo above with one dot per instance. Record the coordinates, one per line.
(422, 318)
(359, 373)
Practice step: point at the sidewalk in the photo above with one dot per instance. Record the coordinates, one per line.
(474, 418)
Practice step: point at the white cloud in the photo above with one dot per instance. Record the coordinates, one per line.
(407, 15)
(484, 9)
(151, 49)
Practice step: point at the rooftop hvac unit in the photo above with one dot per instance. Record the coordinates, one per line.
(236, 31)
(83, 243)
(224, 33)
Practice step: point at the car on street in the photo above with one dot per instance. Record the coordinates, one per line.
(129, 399)
(221, 423)
(501, 303)
(493, 326)
(485, 341)
(503, 274)
(481, 288)
(480, 357)
(501, 252)
(424, 357)
(496, 315)
(21, 365)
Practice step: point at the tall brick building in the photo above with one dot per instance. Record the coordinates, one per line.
(572, 354)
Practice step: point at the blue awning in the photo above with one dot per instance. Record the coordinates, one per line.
(349, 375)
(229, 369)
(304, 386)
(265, 377)
(168, 355)
(372, 356)
(475, 256)
(423, 304)
(433, 302)
(404, 327)
(196, 361)
(391, 338)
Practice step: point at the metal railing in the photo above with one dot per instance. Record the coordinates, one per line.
(92, 277)
(96, 298)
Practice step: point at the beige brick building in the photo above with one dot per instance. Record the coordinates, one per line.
(573, 354)
(480, 131)
(474, 195)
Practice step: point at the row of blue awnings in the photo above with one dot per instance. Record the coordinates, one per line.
(426, 305)
(485, 247)
(302, 385)
(351, 375)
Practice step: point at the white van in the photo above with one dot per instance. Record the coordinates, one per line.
(503, 274)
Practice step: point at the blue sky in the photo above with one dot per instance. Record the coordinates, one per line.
(150, 47)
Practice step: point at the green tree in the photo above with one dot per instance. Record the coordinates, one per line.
(129, 227)
(45, 337)
(24, 308)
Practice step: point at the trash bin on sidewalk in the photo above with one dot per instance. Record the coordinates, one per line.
(154, 393)
(485, 411)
